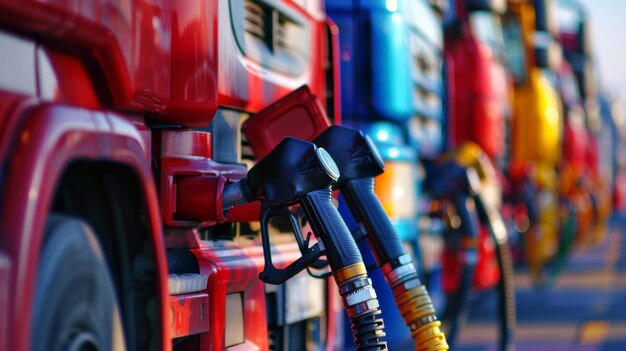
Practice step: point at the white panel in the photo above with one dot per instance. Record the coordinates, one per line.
(17, 65)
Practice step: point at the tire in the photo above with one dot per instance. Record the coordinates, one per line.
(75, 306)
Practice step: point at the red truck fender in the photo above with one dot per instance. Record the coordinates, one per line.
(52, 137)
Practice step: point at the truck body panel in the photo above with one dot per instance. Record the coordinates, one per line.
(62, 135)
(256, 68)
(143, 73)
(479, 103)
(171, 75)
(537, 122)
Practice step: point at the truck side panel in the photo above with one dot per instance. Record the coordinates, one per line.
(156, 56)
(51, 138)
(258, 67)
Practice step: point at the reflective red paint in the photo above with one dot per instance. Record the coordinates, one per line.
(478, 95)
(157, 56)
(50, 138)
(128, 61)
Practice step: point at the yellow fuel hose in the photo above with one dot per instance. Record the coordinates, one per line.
(359, 163)
(415, 306)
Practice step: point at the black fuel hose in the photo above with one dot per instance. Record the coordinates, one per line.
(358, 162)
(409, 293)
(344, 258)
(506, 285)
(460, 302)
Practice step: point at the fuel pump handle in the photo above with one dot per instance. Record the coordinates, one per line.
(293, 168)
(329, 227)
(310, 255)
(359, 162)
(297, 171)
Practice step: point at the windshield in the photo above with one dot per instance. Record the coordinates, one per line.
(487, 28)
(513, 40)
(569, 17)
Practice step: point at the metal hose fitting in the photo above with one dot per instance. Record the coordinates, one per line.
(415, 305)
(361, 304)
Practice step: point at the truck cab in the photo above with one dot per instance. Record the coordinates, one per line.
(537, 122)
(478, 98)
(478, 82)
(574, 37)
(120, 127)
(478, 117)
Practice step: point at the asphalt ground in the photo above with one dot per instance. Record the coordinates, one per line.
(584, 309)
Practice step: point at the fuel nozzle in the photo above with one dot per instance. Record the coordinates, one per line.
(298, 172)
(359, 162)
(290, 171)
(461, 178)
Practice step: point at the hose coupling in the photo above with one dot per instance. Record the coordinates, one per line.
(415, 304)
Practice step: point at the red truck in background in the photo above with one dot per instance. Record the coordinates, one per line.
(108, 112)
(476, 64)
(479, 91)
(575, 39)
(478, 98)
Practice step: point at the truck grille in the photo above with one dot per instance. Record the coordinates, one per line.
(255, 24)
(273, 34)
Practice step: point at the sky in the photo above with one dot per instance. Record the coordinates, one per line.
(608, 20)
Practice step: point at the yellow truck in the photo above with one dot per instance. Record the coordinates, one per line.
(536, 129)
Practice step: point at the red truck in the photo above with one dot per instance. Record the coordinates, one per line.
(478, 103)
(574, 37)
(119, 127)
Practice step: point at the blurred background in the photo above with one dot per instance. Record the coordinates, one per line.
(585, 309)
(608, 25)
(499, 216)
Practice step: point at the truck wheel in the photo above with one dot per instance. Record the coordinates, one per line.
(75, 307)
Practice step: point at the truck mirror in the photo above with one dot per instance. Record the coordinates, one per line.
(545, 16)
(547, 51)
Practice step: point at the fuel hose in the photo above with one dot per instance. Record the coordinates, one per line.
(506, 285)
(460, 301)
(411, 296)
(358, 162)
(357, 293)
(471, 164)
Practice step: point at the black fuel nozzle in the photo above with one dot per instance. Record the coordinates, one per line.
(457, 183)
(290, 171)
(354, 153)
(298, 172)
(359, 162)
(293, 171)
